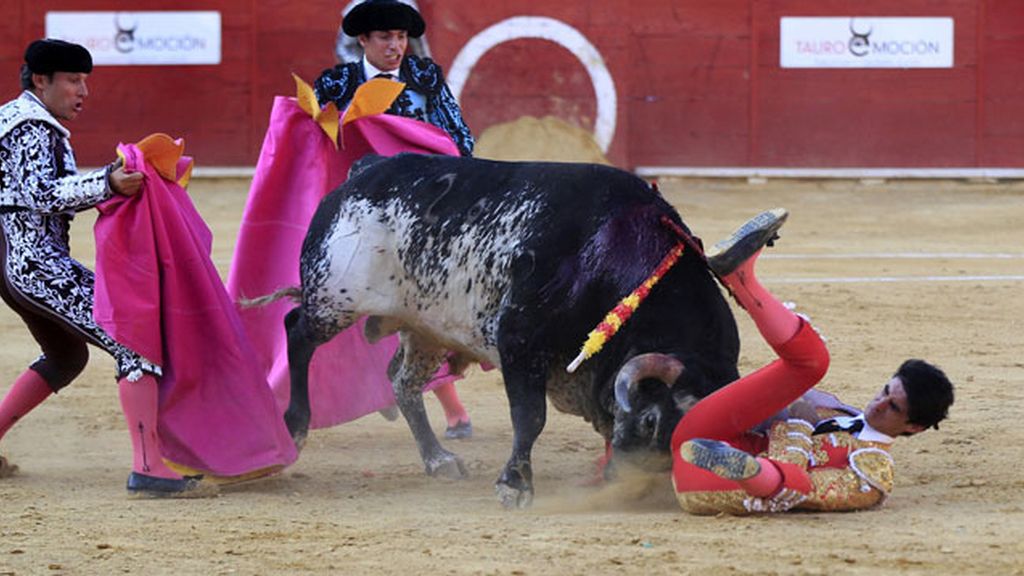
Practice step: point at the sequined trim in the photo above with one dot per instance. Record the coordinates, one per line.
(790, 442)
(785, 500)
(708, 503)
(799, 453)
(801, 426)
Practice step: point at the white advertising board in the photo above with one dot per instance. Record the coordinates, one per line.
(141, 38)
(865, 42)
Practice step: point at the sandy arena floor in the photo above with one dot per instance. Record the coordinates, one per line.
(887, 271)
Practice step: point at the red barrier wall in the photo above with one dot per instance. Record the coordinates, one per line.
(222, 110)
(697, 83)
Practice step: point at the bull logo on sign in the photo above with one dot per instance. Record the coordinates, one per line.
(859, 44)
(124, 40)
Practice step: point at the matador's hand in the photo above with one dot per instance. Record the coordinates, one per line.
(124, 183)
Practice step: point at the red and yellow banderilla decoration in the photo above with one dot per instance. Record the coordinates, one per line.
(618, 315)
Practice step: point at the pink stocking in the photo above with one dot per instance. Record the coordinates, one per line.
(27, 392)
(139, 401)
(766, 483)
(454, 411)
(776, 323)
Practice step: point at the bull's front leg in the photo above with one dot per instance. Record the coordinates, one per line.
(419, 362)
(528, 406)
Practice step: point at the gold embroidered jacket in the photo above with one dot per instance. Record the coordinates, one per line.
(825, 472)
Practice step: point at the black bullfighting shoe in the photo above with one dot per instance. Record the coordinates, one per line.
(460, 431)
(144, 486)
(760, 231)
(720, 459)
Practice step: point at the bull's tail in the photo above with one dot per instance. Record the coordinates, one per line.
(292, 292)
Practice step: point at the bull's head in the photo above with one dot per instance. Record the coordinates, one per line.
(651, 396)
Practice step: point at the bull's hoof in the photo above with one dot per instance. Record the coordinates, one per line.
(513, 497)
(298, 429)
(447, 466)
(299, 439)
(515, 484)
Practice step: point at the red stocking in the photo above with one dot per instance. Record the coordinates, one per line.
(776, 323)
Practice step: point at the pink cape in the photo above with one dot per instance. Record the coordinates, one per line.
(297, 167)
(158, 293)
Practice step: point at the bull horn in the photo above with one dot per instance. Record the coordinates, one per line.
(652, 365)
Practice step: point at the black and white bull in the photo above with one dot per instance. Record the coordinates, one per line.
(513, 264)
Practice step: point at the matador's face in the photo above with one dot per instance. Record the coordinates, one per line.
(385, 48)
(888, 411)
(63, 94)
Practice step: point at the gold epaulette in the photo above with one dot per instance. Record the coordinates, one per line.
(875, 469)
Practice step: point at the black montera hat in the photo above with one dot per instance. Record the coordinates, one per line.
(383, 15)
(48, 56)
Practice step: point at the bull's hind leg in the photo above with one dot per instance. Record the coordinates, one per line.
(302, 342)
(419, 361)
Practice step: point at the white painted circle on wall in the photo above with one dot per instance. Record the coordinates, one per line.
(555, 31)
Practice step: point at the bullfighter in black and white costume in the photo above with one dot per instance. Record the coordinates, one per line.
(40, 191)
(426, 96)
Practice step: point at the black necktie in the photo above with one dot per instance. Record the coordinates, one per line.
(832, 425)
(385, 75)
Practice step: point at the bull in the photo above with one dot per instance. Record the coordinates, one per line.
(513, 264)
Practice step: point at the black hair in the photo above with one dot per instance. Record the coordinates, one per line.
(929, 392)
(26, 78)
